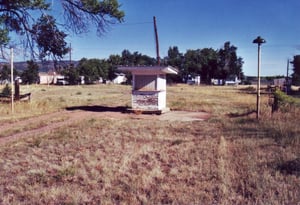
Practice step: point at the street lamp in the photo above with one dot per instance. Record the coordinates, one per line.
(258, 41)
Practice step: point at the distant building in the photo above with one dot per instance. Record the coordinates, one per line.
(232, 80)
(48, 78)
(193, 80)
(217, 81)
(280, 82)
(120, 78)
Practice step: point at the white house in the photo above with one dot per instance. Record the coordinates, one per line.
(48, 78)
(149, 87)
(120, 78)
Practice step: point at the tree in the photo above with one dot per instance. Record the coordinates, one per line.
(192, 63)
(229, 63)
(72, 75)
(4, 38)
(5, 73)
(80, 15)
(19, 17)
(127, 58)
(296, 73)
(209, 64)
(50, 40)
(92, 69)
(175, 59)
(102, 67)
(114, 61)
(31, 74)
(87, 70)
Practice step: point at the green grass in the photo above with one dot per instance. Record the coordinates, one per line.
(229, 159)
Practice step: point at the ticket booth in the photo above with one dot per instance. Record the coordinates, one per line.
(149, 87)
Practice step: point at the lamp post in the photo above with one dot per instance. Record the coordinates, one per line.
(258, 41)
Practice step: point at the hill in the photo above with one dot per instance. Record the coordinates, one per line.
(44, 66)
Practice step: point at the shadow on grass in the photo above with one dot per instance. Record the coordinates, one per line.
(290, 167)
(97, 108)
(233, 115)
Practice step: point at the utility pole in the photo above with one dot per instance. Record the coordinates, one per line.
(156, 41)
(12, 78)
(70, 54)
(287, 76)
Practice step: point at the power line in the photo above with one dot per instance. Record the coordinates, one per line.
(134, 23)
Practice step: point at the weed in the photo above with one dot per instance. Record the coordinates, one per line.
(36, 142)
(65, 172)
(62, 99)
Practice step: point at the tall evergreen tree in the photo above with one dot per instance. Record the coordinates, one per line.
(229, 63)
(296, 69)
(72, 75)
(31, 74)
(5, 73)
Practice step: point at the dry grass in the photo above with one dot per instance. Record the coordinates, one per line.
(47, 99)
(229, 159)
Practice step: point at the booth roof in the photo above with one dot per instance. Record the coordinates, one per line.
(149, 69)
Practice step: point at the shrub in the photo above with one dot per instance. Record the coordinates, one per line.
(6, 91)
(283, 101)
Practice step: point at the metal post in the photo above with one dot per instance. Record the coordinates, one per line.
(258, 41)
(258, 84)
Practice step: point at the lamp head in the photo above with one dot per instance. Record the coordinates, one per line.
(259, 40)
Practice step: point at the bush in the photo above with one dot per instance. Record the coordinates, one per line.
(6, 91)
(283, 101)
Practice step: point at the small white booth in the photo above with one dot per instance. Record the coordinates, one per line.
(149, 87)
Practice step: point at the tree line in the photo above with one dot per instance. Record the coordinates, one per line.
(207, 62)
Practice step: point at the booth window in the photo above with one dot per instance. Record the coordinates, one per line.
(145, 82)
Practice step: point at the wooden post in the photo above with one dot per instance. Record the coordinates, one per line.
(17, 89)
(12, 78)
(287, 77)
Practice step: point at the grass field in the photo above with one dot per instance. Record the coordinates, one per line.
(231, 158)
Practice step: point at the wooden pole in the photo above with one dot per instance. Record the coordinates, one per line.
(156, 41)
(287, 76)
(70, 54)
(12, 78)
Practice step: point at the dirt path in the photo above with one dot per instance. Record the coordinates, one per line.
(72, 116)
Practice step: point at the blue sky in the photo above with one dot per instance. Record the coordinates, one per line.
(196, 24)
